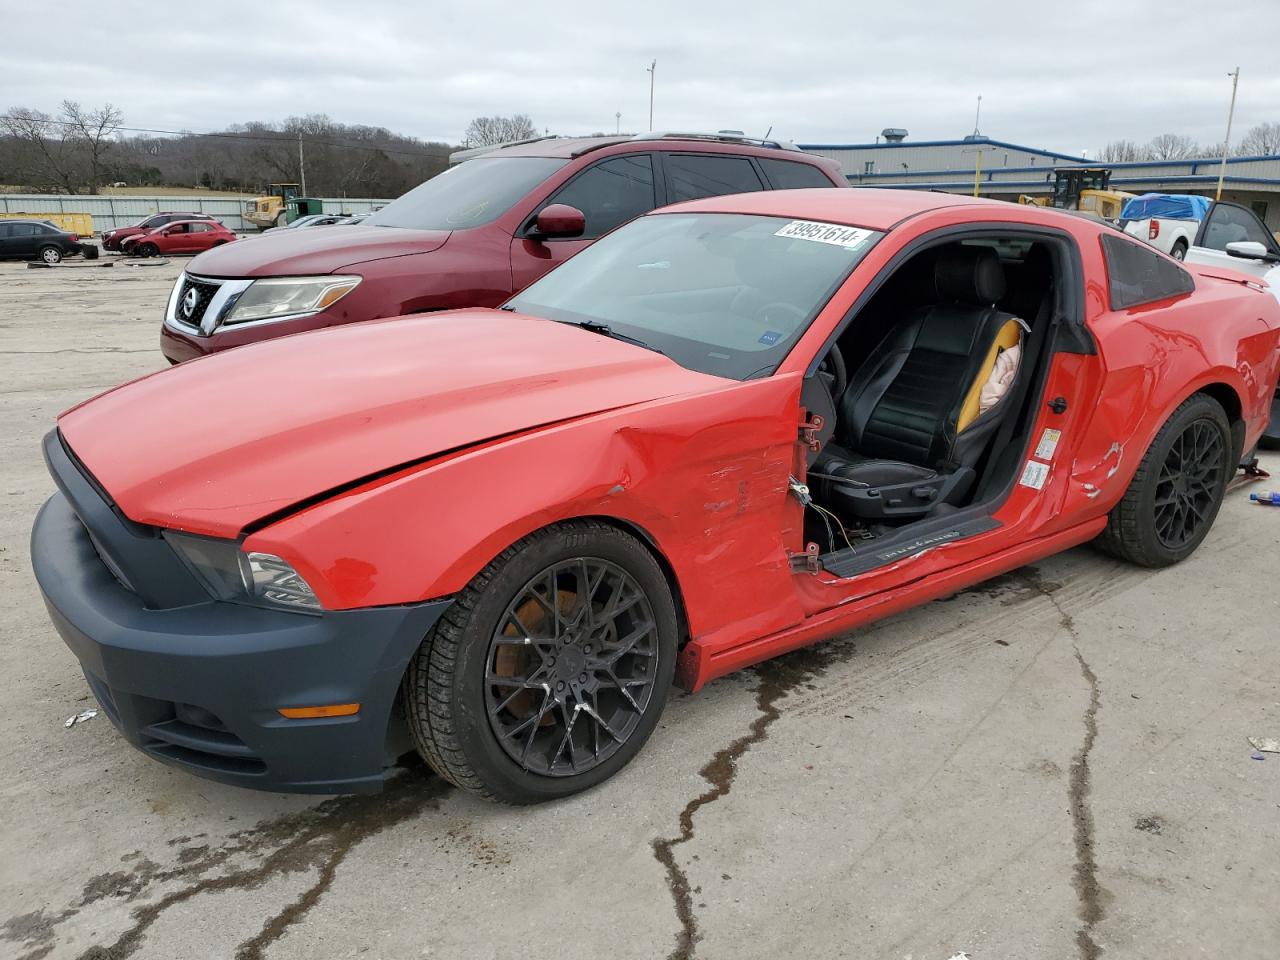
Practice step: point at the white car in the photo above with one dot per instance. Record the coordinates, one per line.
(1232, 236)
(1167, 221)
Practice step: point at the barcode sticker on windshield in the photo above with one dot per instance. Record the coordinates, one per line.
(832, 233)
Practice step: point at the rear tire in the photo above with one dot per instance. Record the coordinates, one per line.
(1175, 495)
(282, 220)
(1179, 251)
(511, 701)
(50, 255)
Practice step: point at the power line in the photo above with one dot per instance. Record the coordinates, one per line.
(282, 138)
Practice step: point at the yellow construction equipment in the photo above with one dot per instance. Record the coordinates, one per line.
(269, 211)
(1084, 190)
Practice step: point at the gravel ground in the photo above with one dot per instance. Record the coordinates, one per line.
(1053, 764)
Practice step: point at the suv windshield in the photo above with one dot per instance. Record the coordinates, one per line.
(724, 294)
(471, 194)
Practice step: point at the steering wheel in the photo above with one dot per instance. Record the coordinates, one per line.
(833, 374)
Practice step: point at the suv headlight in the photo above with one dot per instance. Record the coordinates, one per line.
(231, 574)
(275, 297)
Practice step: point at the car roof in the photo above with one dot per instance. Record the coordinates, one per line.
(174, 223)
(570, 147)
(876, 209)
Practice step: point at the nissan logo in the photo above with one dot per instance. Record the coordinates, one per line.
(189, 302)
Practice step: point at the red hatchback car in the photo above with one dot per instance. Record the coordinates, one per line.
(729, 429)
(471, 236)
(181, 236)
(113, 239)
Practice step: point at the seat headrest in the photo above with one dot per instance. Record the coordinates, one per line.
(969, 274)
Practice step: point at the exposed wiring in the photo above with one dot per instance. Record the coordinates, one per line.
(801, 492)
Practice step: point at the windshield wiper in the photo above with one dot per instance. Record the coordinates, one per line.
(595, 326)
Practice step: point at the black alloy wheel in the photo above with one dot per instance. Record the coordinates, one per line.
(571, 667)
(1189, 484)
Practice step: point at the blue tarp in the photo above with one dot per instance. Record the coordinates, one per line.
(1169, 206)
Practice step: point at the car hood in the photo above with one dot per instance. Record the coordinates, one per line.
(218, 443)
(310, 252)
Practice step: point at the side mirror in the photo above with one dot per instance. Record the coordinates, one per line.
(559, 220)
(1248, 250)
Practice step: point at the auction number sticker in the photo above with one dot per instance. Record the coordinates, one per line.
(1034, 474)
(832, 233)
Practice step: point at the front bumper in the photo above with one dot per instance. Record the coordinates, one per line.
(199, 685)
(179, 343)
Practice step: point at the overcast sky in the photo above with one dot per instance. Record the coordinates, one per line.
(1065, 75)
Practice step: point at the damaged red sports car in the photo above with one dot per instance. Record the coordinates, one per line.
(729, 429)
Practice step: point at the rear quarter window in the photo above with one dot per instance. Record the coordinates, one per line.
(1137, 274)
(791, 175)
(693, 176)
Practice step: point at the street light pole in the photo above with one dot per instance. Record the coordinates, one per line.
(653, 71)
(1226, 144)
(618, 116)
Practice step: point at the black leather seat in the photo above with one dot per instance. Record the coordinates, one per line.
(897, 449)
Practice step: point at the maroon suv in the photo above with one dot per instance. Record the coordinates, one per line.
(472, 236)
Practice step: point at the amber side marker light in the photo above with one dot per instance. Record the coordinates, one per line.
(332, 710)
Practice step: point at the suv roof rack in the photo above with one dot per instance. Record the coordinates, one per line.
(722, 136)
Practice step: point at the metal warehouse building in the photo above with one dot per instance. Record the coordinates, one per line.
(1005, 170)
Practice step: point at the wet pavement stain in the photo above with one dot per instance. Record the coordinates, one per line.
(778, 678)
(1084, 878)
(1009, 589)
(319, 838)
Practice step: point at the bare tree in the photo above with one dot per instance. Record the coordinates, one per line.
(1172, 146)
(1262, 139)
(490, 131)
(93, 131)
(44, 158)
(1120, 151)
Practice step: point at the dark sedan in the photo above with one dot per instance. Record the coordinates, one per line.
(36, 240)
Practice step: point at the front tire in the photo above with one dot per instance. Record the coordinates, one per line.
(147, 250)
(550, 670)
(1175, 495)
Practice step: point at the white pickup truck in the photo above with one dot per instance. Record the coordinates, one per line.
(1167, 221)
(1233, 236)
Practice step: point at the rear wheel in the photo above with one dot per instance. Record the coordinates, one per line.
(1174, 497)
(282, 220)
(550, 669)
(50, 254)
(1179, 251)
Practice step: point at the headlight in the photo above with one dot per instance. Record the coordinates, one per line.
(231, 574)
(276, 297)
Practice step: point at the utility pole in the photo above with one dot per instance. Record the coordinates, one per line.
(1226, 144)
(653, 71)
(302, 170)
(619, 117)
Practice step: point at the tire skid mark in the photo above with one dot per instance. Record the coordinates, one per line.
(778, 678)
(317, 838)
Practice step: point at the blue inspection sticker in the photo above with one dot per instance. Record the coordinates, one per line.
(770, 337)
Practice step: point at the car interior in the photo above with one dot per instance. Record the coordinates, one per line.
(926, 397)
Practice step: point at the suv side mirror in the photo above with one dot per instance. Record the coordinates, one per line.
(559, 220)
(1248, 250)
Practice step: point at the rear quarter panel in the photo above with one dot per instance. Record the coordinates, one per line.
(1151, 358)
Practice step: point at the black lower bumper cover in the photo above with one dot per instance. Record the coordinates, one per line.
(199, 686)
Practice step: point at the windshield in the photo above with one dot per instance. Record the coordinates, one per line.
(469, 195)
(723, 294)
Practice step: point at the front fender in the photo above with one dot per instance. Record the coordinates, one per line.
(704, 475)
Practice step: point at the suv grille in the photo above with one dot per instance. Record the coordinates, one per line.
(204, 293)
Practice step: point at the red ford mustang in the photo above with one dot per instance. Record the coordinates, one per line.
(728, 429)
